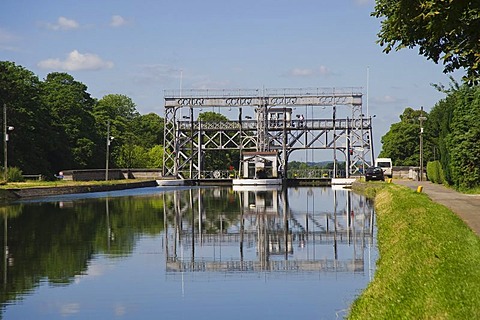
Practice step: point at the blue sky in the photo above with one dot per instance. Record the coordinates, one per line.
(141, 48)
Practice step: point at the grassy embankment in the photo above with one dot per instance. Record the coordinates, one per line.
(60, 183)
(429, 265)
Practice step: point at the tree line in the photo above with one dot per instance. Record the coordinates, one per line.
(446, 32)
(58, 125)
(451, 138)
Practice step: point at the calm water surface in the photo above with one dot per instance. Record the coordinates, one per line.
(201, 253)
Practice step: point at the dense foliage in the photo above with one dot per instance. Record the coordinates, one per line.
(401, 142)
(455, 132)
(435, 172)
(451, 137)
(58, 125)
(447, 31)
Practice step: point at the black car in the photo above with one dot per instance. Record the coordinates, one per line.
(374, 173)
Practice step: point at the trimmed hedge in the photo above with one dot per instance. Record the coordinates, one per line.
(435, 172)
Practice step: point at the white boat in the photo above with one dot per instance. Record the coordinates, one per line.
(169, 182)
(257, 187)
(343, 181)
(258, 169)
(257, 182)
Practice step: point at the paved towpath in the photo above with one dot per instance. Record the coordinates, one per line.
(466, 206)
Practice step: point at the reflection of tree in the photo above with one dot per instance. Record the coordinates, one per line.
(55, 241)
(220, 203)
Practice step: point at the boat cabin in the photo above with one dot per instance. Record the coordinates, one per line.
(260, 165)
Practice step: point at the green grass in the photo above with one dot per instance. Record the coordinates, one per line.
(60, 183)
(429, 265)
(475, 190)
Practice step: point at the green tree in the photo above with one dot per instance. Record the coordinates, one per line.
(462, 142)
(455, 129)
(119, 109)
(32, 137)
(71, 108)
(148, 130)
(447, 31)
(119, 113)
(439, 126)
(132, 156)
(401, 142)
(155, 157)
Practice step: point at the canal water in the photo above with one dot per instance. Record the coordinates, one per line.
(187, 253)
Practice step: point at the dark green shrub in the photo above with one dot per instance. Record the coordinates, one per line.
(435, 172)
(14, 174)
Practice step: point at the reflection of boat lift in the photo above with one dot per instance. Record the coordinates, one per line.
(274, 234)
(254, 201)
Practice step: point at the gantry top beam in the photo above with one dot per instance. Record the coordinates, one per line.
(267, 97)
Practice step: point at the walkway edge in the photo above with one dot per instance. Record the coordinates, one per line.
(465, 206)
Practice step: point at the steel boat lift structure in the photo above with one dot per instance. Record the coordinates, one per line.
(266, 123)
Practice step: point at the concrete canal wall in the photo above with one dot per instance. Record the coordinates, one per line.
(113, 174)
(11, 194)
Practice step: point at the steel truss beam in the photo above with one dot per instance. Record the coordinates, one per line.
(186, 141)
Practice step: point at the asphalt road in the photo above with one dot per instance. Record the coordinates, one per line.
(466, 206)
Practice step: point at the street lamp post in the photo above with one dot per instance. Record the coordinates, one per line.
(109, 140)
(421, 118)
(6, 129)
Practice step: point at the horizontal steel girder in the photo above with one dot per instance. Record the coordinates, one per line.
(272, 97)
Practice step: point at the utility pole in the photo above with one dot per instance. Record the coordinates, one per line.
(109, 139)
(5, 139)
(6, 128)
(421, 118)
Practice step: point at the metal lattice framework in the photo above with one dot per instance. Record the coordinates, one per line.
(345, 129)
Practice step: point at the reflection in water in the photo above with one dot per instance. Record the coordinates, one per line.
(190, 232)
(286, 238)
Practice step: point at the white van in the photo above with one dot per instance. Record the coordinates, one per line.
(385, 164)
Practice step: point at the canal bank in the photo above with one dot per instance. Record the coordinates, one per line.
(10, 194)
(429, 257)
(466, 206)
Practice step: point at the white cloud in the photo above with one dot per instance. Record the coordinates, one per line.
(76, 61)
(297, 72)
(324, 71)
(363, 2)
(63, 24)
(120, 310)
(313, 72)
(206, 83)
(387, 99)
(157, 74)
(117, 21)
(6, 38)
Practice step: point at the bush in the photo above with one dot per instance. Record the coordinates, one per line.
(435, 172)
(14, 174)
